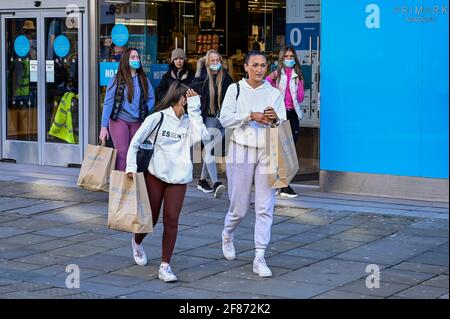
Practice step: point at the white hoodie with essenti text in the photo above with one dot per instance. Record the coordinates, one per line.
(171, 161)
(235, 112)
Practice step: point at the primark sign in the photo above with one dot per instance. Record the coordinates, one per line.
(411, 14)
(421, 13)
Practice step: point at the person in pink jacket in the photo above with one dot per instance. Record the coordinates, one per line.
(288, 78)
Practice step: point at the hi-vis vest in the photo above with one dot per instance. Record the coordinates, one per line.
(62, 126)
(23, 80)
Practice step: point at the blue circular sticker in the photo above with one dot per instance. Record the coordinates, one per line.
(61, 46)
(22, 46)
(120, 35)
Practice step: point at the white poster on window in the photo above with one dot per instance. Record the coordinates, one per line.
(33, 70)
(50, 71)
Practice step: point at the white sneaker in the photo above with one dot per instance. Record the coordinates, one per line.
(139, 253)
(166, 274)
(228, 248)
(260, 267)
(218, 189)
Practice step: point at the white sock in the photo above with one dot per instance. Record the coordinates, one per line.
(226, 236)
(260, 252)
(136, 244)
(164, 264)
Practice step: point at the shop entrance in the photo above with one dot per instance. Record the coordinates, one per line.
(41, 87)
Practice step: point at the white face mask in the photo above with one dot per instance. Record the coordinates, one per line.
(215, 67)
(289, 63)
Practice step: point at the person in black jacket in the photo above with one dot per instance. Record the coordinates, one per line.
(211, 82)
(179, 70)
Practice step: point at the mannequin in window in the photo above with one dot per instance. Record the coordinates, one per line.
(256, 46)
(177, 38)
(207, 14)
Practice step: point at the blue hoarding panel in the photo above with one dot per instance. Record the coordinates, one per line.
(384, 88)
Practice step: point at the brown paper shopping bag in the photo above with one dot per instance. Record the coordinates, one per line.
(283, 161)
(97, 165)
(128, 204)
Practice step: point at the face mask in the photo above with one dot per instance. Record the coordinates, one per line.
(135, 64)
(215, 67)
(289, 63)
(117, 57)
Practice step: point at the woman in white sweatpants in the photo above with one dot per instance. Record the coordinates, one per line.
(249, 108)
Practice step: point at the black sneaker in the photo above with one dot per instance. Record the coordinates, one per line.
(218, 189)
(204, 186)
(288, 192)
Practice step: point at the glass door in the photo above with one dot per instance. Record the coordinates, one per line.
(61, 89)
(42, 56)
(19, 57)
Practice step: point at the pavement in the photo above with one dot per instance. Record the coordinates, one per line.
(324, 245)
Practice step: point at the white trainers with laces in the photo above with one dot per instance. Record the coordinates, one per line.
(139, 253)
(260, 267)
(228, 248)
(166, 274)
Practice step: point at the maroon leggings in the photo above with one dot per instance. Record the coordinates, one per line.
(121, 133)
(173, 196)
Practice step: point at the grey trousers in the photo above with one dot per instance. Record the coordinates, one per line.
(216, 132)
(245, 165)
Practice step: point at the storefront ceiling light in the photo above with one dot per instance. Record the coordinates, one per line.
(118, 1)
(137, 22)
(179, 1)
(267, 3)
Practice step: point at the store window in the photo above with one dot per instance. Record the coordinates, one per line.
(267, 27)
(233, 27)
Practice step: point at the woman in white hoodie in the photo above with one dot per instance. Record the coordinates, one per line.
(249, 112)
(170, 168)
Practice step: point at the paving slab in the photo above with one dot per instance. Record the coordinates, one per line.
(422, 292)
(320, 247)
(386, 289)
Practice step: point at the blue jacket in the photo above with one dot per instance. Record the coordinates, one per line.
(129, 111)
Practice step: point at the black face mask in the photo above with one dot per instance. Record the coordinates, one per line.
(117, 57)
(185, 108)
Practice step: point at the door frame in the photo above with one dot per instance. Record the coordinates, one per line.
(60, 154)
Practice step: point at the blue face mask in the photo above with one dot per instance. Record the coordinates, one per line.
(135, 64)
(117, 57)
(215, 67)
(289, 63)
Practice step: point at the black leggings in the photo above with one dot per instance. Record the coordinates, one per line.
(295, 124)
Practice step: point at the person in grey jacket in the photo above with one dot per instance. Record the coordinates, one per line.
(170, 168)
(211, 82)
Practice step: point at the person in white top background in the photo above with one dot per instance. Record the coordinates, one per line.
(170, 168)
(249, 108)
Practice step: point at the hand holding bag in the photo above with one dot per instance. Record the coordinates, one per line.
(145, 152)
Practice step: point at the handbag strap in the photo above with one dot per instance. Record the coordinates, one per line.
(156, 127)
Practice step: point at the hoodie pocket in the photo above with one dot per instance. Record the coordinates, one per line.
(171, 167)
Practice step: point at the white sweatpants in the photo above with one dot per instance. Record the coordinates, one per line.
(245, 165)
